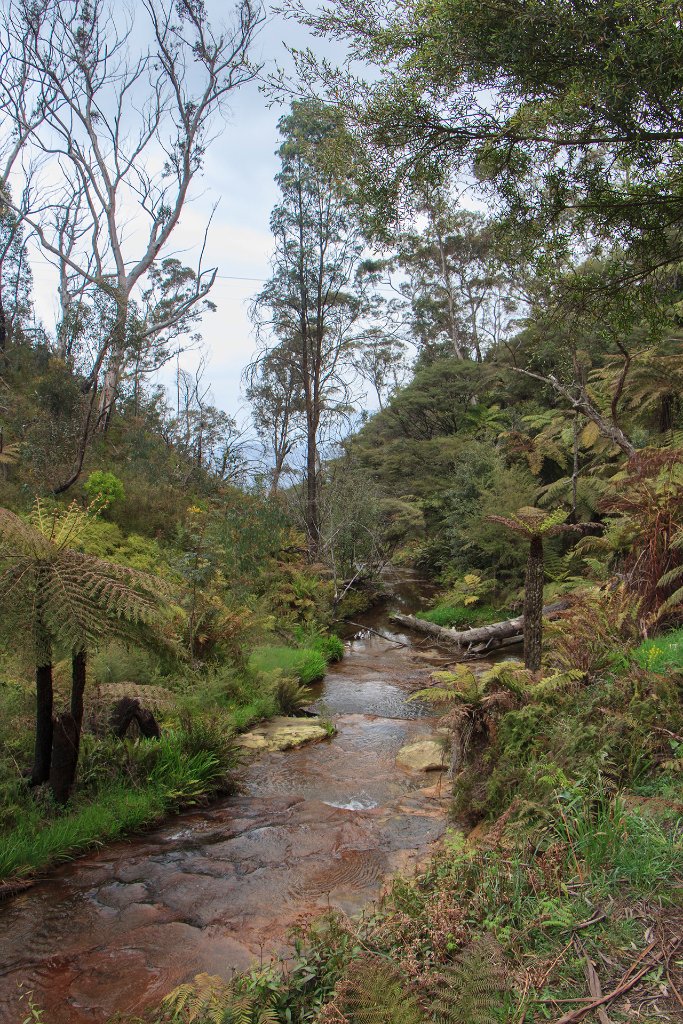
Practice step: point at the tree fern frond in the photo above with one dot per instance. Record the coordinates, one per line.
(672, 576)
(673, 602)
(64, 596)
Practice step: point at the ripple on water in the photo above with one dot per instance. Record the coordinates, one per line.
(353, 869)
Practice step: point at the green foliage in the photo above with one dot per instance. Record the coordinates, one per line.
(621, 847)
(291, 697)
(472, 987)
(462, 616)
(59, 595)
(124, 786)
(103, 488)
(328, 644)
(33, 846)
(374, 992)
(308, 666)
(663, 654)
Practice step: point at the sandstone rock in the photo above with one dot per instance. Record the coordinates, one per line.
(423, 756)
(282, 734)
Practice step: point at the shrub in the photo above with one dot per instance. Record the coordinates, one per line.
(104, 488)
(307, 665)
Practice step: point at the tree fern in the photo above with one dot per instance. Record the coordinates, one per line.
(61, 598)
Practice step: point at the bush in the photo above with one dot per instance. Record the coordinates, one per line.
(306, 664)
(105, 488)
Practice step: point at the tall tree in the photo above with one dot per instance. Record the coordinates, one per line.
(312, 308)
(125, 128)
(461, 296)
(276, 397)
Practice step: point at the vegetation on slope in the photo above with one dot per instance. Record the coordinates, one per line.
(567, 889)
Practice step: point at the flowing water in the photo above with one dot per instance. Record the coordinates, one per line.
(217, 889)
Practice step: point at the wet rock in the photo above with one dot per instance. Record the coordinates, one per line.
(283, 734)
(424, 756)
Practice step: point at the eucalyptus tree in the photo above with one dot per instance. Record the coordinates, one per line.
(60, 599)
(129, 98)
(461, 295)
(312, 310)
(277, 403)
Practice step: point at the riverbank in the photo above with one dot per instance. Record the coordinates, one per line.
(218, 889)
(128, 785)
(564, 898)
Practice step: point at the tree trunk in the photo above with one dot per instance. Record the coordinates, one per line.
(78, 678)
(312, 511)
(64, 756)
(43, 748)
(533, 605)
(112, 375)
(494, 635)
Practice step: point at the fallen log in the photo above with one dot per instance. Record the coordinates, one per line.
(493, 635)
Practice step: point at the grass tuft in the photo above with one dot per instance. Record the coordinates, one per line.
(305, 664)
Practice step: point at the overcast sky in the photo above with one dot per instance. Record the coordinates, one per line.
(239, 170)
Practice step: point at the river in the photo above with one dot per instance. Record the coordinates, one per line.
(217, 889)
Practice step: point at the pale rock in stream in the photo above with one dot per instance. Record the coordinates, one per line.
(423, 756)
(282, 734)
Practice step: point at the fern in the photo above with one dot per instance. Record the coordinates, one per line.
(373, 992)
(62, 596)
(210, 1000)
(471, 990)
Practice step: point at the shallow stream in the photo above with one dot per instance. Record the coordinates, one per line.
(216, 889)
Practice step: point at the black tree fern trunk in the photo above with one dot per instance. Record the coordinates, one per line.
(67, 734)
(43, 748)
(533, 605)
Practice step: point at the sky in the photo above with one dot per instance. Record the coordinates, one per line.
(239, 169)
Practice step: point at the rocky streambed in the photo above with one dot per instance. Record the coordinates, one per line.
(317, 825)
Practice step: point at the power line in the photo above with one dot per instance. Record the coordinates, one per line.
(231, 277)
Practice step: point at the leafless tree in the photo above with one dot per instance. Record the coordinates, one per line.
(129, 97)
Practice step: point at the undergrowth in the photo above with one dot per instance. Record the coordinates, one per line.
(124, 786)
(574, 872)
(305, 664)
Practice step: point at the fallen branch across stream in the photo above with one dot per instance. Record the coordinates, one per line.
(482, 639)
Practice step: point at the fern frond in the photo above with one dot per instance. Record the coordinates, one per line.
(374, 993)
(472, 989)
(672, 576)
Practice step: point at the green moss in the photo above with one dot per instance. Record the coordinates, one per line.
(463, 615)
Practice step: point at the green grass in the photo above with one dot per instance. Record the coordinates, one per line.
(34, 845)
(621, 847)
(305, 664)
(123, 787)
(663, 654)
(462, 615)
